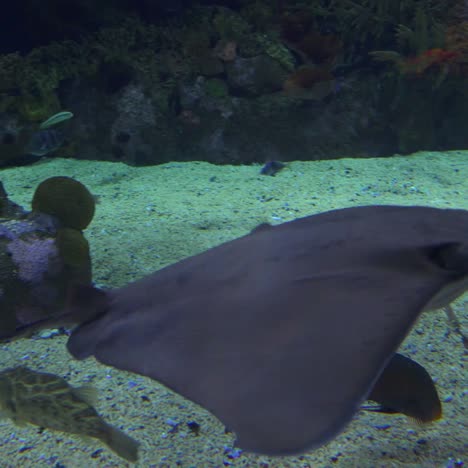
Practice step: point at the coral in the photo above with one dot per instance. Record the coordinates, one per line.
(294, 25)
(36, 107)
(11, 67)
(189, 118)
(74, 252)
(133, 106)
(431, 47)
(374, 21)
(255, 75)
(229, 25)
(196, 42)
(275, 105)
(320, 48)
(434, 52)
(275, 49)
(67, 199)
(33, 257)
(39, 260)
(217, 88)
(365, 23)
(30, 82)
(8, 208)
(226, 50)
(73, 247)
(260, 14)
(307, 77)
(456, 36)
(301, 32)
(10, 229)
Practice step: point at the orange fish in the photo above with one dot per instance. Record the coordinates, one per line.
(420, 63)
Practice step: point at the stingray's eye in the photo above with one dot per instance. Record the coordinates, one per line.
(451, 256)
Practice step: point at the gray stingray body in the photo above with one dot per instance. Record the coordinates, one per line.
(283, 332)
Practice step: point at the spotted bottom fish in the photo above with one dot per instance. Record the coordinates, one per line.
(48, 401)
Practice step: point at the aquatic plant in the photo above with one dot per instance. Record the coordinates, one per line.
(372, 21)
(31, 81)
(366, 23)
(456, 37)
(260, 14)
(216, 88)
(437, 48)
(426, 55)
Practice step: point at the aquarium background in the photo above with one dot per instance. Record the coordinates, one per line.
(365, 102)
(237, 82)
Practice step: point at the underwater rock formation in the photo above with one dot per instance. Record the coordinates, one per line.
(42, 255)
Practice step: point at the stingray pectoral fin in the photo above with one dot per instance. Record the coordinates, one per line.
(284, 374)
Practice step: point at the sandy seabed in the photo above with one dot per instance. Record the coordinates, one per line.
(149, 217)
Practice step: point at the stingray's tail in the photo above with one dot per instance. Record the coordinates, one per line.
(85, 303)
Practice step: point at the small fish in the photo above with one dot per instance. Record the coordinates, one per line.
(418, 64)
(45, 141)
(406, 387)
(426, 59)
(48, 401)
(56, 119)
(271, 168)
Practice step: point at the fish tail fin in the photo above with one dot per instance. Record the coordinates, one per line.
(120, 443)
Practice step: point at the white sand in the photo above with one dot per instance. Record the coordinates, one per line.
(149, 217)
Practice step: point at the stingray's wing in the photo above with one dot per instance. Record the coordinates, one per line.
(281, 334)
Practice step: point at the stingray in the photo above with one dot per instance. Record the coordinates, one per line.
(282, 333)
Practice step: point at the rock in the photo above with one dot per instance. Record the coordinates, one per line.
(255, 76)
(35, 275)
